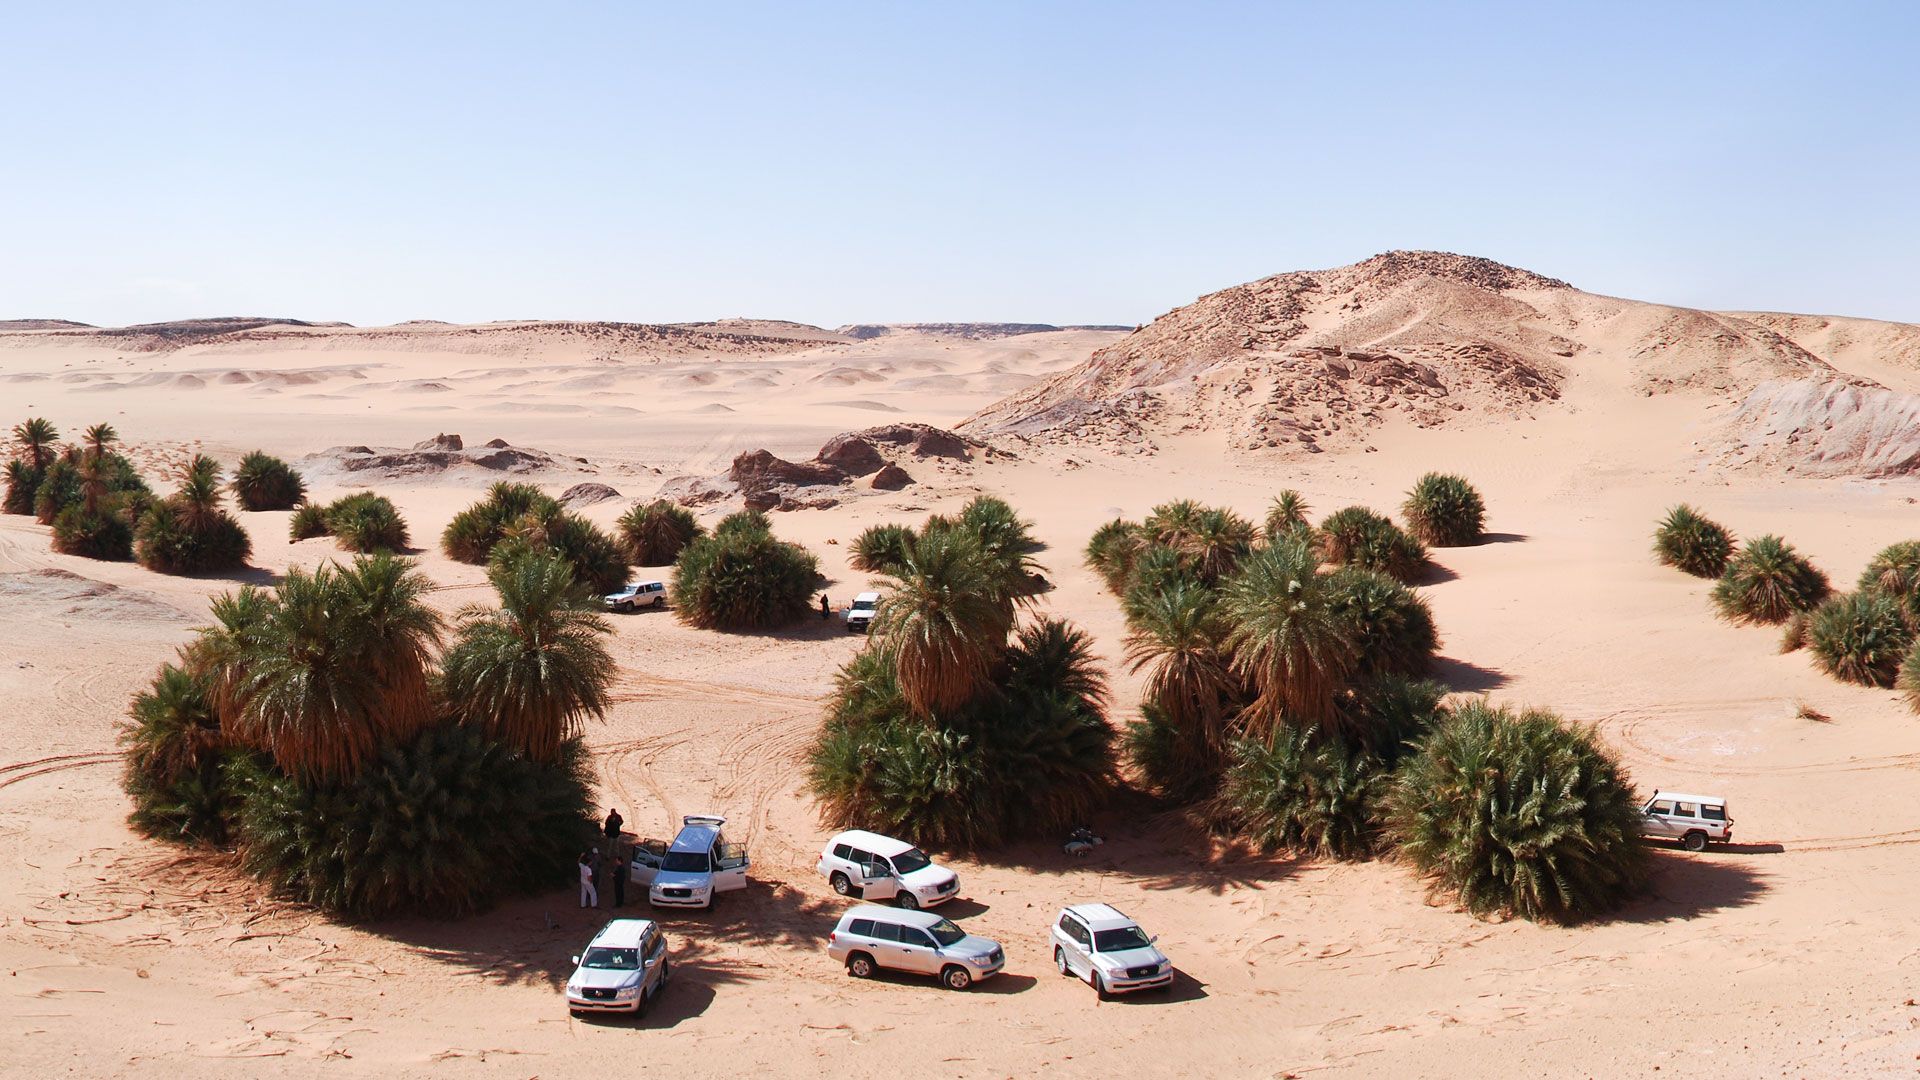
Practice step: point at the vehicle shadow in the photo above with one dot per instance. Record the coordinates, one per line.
(957, 908)
(1748, 849)
(1184, 988)
(1003, 983)
(1466, 677)
(1686, 887)
(686, 996)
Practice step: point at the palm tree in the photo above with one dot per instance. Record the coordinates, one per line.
(945, 622)
(526, 673)
(35, 438)
(330, 667)
(1174, 523)
(654, 533)
(1287, 515)
(1178, 635)
(1289, 641)
(200, 492)
(1215, 542)
(219, 652)
(98, 438)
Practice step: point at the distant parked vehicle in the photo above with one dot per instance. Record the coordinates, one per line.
(690, 871)
(638, 594)
(1691, 819)
(870, 938)
(624, 968)
(1097, 943)
(875, 867)
(860, 615)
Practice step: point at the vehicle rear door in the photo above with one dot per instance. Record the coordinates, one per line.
(729, 865)
(1078, 947)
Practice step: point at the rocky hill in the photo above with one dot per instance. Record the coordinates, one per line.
(1313, 360)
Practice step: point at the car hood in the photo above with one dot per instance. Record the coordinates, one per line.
(676, 879)
(927, 877)
(612, 596)
(604, 978)
(972, 945)
(1131, 958)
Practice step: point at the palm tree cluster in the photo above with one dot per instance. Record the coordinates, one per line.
(190, 532)
(1692, 543)
(741, 577)
(1517, 814)
(1444, 510)
(1243, 635)
(959, 725)
(654, 533)
(319, 725)
(92, 496)
(264, 482)
(1357, 536)
(361, 522)
(518, 517)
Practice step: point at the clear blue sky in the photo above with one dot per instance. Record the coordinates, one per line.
(1062, 162)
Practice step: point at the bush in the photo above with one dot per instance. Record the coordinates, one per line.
(1287, 515)
(655, 533)
(1766, 582)
(742, 578)
(264, 482)
(445, 824)
(309, 520)
(102, 533)
(23, 483)
(1031, 756)
(595, 559)
(176, 764)
(1518, 814)
(1793, 636)
(1909, 678)
(1304, 794)
(473, 532)
(1112, 551)
(1895, 573)
(1359, 537)
(1861, 637)
(172, 539)
(880, 549)
(1172, 758)
(1388, 715)
(744, 523)
(1445, 511)
(1392, 627)
(59, 488)
(365, 523)
(1691, 543)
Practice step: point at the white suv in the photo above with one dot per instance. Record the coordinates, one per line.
(624, 968)
(694, 868)
(638, 594)
(860, 614)
(869, 938)
(1691, 819)
(875, 867)
(1097, 943)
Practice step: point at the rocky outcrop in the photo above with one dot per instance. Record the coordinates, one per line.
(1823, 427)
(763, 480)
(442, 455)
(891, 478)
(444, 442)
(587, 494)
(852, 454)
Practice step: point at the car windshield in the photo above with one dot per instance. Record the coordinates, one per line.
(685, 862)
(611, 959)
(1127, 937)
(863, 605)
(946, 933)
(910, 860)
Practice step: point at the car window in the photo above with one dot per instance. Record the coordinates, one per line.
(913, 936)
(1713, 813)
(946, 933)
(686, 862)
(862, 927)
(886, 931)
(1685, 809)
(1661, 806)
(1074, 930)
(842, 851)
(910, 860)
(1066, 924)
(861, 857)
(1120, 940)
(611, 959)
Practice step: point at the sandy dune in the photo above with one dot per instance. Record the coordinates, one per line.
(1794, 953)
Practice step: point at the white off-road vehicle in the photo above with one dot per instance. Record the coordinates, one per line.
(1097, 943)
(860, 613)
(875, 867)
(870, 938)
(624, 968)
(638, 594)
(1691, 819)
(692, 870)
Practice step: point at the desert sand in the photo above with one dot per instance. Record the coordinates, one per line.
(1581, 418)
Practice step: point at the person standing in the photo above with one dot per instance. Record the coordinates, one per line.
(613, 826)
(826, 609)
(589, 896)
(619, 876)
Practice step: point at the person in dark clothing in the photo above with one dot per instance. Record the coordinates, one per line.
(619, 876)
(826, 609)
(614, 824)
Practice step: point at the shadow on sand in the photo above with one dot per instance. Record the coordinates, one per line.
(1465, 677)
(1685, 887)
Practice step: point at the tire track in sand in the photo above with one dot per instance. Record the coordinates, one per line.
(26, 770)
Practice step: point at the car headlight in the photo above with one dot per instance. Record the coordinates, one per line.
(627, 993)
(983, 959)
(574, 989)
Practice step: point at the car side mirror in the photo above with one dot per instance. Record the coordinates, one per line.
(576, 961)
(1154, 940)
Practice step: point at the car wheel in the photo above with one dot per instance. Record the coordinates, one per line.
(1694, 841)
(1060, 960)
(659, 601)
(840, 884)
(640, 1007)
(1099, 986)
(955, 977)
(905, 899)
(860, 966)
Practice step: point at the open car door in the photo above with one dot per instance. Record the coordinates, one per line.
(644, 863)
(729, 867)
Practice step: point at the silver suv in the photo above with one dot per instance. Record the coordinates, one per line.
(1098, 943)
(624, 968)
(869, 938)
